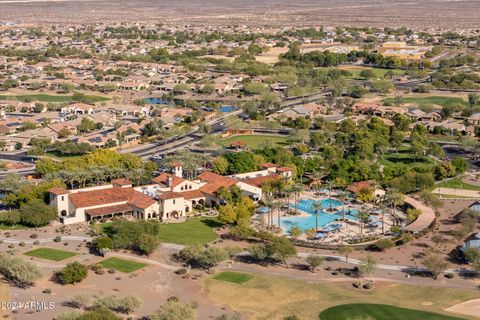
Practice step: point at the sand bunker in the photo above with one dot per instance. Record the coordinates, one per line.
(470, 308)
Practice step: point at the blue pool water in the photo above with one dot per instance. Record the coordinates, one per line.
(226, 109)
(324, 217)
(155, 101)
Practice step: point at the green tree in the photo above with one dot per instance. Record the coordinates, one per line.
(384, 244)
(20, 272)
(368, 266)
(147, 243)
(435, 264)
(227, 214)
(314, 261)
(220, 165)
(86, 125)
(129, 304)
(345, 251)
(174, 310)
(36, 213)
(367, 74)
(382, 86)
(295, 232)
(282, 249)
(72, 273)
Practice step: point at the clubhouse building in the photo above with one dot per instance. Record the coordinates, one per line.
(168, 196)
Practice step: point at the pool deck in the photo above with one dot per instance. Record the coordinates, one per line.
(349, 230)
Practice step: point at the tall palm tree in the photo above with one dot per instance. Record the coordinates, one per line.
(383, 208)
(363, 217)
(288, 192)
(344, 198)
(330, 185)
(278, 207)
(393, 198)
(297, 189)
(317, 206)
(269, 203)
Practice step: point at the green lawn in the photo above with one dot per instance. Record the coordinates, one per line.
(50, 254)
(12, 227)
(122, 265)
(457, 183)
(379, 312)
(406, 159)
(234, 277)
(275, 297)
(194, 230)
(49, 98)
(438, 100)
(255, 141)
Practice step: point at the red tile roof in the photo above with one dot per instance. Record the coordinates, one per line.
(122, 182)
(111, 195)
(284, 169)
(357, 186)
(192, 194)
(215, 182)
(119, 208)
(170, 195)
(259, 181)
(58, 191)
(162, 179)
(268, 165)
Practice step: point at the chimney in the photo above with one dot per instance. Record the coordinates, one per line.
(169, 182)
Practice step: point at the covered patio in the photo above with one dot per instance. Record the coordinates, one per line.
(109, 212)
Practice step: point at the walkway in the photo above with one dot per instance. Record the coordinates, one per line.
(178, 247)
(424, 220)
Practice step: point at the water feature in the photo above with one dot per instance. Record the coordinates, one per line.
(153, 100)
(330, 212)
(226, 109)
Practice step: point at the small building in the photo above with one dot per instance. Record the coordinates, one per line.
(357, 186)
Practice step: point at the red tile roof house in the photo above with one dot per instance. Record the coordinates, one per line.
(169, 196)
(177, 196)
(118, 199)
(251, 182)
(357, 186)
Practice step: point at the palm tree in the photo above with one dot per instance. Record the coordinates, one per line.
(363, 217)
(317, 180)
(269, 203)
(344, 198)
(120, 135)
(383, 208)
(297, 190)
(330, 185)
(317, 206)
(393, 198)
(288, 192)
(277, 206)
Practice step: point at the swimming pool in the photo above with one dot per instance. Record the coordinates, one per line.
(324, 217)
(155, 101)
(226, 109)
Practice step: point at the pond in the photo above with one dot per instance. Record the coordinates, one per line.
(153, 100)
